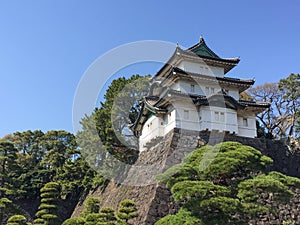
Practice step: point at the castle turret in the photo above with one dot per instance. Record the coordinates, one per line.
(192, 91)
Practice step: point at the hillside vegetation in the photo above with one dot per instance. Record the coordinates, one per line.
(231, 190)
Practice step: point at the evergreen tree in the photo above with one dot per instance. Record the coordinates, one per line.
(183, 217)
(107, 216)
(91, 206)
(92, 219)
(17, 220)
(74, 221)
(229, 190)
(8, 170)
(290, 88)
(110, 120)
(30, 154)
(127, 210)
(4, 203)
(105, 140)
(47, 211)
(279, 121)
(58, 147)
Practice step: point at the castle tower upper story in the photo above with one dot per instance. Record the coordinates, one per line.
(192, 91)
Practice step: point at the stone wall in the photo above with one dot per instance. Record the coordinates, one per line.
(155, 201)
(147, 191)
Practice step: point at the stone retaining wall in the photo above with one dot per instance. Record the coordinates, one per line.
(155, 201)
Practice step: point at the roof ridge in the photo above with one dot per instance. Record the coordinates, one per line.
(201, 48)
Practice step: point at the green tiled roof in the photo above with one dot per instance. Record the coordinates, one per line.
(201, 49)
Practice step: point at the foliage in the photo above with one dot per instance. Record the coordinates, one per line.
(106, 142)
(290, 87)
(114, 114)
(272, 119)
(92, 215)
(8, 168)
(45, 157)
(47, 211)
(31, 159)
(113, 117)
(92, 219)
(74, 221)
(281, 119)
(17, 220)
(107, 216)
(230, 190)
(183, 217)
(8, 174)
(127, 210)
(91, 206)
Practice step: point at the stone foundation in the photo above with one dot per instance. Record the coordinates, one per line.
(154, 201)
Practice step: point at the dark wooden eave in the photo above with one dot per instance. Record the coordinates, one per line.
(199, 52)
(147, 109)
(177, 73)
(154, 105)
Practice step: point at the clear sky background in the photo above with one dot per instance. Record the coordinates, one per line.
(46, 46)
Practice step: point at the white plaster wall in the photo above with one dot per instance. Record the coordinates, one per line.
(152, 128)
(208, 122)
(247, 131)
(185, 87)
(200, 88)
(190, 123)
(201, 68)
(198, 119)
(170, 124)
(157, 127)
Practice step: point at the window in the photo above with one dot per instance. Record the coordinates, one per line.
(222, 117)
(245, 122)
(217, 117)
(192, 88)
(186, 114)
(209, 91)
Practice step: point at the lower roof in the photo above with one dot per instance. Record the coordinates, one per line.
(153, 105)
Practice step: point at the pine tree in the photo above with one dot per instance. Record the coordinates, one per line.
(92, 219)
(127, 210)
(30, 154)
(74, 221)
(17, 220)
(91, 206)
(47, 211)
(290, 88)
(229, 190)
(7, 174)
(107, 216)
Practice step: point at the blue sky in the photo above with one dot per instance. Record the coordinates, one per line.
(46, 46)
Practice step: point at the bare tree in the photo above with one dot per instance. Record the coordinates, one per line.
(280, 119)
(274, 120)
